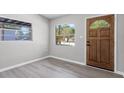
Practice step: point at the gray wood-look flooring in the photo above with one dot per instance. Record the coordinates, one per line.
(53, 68)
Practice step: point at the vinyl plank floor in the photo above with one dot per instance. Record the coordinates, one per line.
(53, 68)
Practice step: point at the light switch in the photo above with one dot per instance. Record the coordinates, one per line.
(80, 37)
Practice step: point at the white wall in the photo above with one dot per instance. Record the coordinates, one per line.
(16, 52)
(78, 53)
(120, 42)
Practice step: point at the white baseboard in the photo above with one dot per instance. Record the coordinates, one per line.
(121, 73)
(68, 60)
(24, 63)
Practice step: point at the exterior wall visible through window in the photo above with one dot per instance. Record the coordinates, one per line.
(11, 30)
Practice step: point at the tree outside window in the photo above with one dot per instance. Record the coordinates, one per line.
(65, 34)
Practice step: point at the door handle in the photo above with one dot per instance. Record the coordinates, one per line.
(88, 41)
(88, 44)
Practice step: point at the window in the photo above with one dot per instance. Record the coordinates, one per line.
(65, 34)
(99, 24)
(14, 30)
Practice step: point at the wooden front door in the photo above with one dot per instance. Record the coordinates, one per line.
(100, 42)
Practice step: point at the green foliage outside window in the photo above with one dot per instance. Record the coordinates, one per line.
(99, 24)
(65, 34)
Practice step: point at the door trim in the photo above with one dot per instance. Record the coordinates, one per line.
(115, 39)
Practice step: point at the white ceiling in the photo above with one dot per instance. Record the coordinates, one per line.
(52, 16)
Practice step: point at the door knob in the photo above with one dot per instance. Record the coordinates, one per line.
(88, 44)
(88, 41)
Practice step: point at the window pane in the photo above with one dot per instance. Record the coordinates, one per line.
(9, 35)
(65, 34)
(99, 24)
(14, 30)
